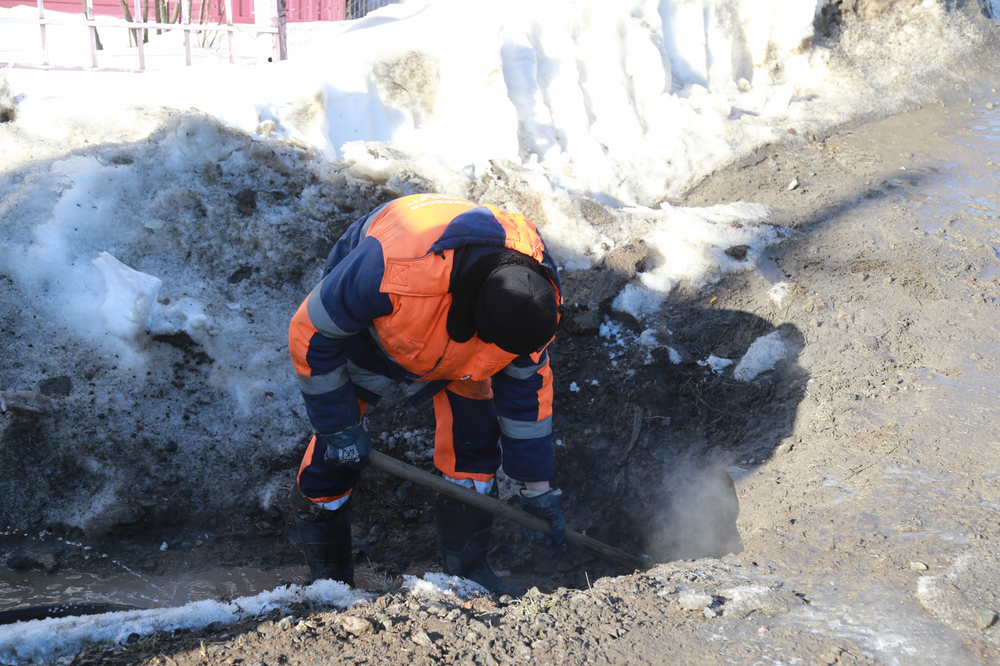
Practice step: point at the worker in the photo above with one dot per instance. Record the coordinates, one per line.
(455, 303)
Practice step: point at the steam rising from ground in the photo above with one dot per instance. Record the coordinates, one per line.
(700, 507)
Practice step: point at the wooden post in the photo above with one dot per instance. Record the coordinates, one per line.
(186, 13)
(229, 22)
(279, 23)
(41, 27)
(496, 507)
(139, 37)
(95, 40)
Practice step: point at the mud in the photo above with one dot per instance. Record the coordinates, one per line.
(865, 462)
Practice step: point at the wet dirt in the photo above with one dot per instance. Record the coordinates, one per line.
(866, 462)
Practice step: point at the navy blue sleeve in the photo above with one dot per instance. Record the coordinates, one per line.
(345, 302)
(522, 393)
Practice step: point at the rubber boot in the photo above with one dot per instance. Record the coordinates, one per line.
(326, 539)
(464, 539)
(327, 547)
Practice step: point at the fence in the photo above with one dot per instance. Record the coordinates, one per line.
(212, 16)
(331, 10)
(166, 19)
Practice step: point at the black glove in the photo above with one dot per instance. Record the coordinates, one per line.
(544, 505)
(349, 446)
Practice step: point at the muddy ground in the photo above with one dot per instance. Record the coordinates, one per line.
(866, 463)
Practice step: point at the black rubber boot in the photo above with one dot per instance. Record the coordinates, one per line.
(327, 547)
(464, 539)
(326, 539)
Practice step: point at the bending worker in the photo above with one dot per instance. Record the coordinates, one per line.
(453, 302)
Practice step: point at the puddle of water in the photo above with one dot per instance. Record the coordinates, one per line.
(34, 589)
(23, 589)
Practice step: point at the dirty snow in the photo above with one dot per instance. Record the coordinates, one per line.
(437, 584)
(762, 355)
(47, 640)
(716, 364)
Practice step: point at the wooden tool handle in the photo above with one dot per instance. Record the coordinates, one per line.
(496, 507)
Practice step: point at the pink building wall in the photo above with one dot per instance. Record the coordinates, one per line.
(295, 10)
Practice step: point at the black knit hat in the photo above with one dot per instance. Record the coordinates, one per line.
(516, 309)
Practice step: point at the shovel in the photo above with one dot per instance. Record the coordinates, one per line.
(498, 508)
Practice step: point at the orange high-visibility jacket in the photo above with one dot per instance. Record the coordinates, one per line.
(389, 279)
